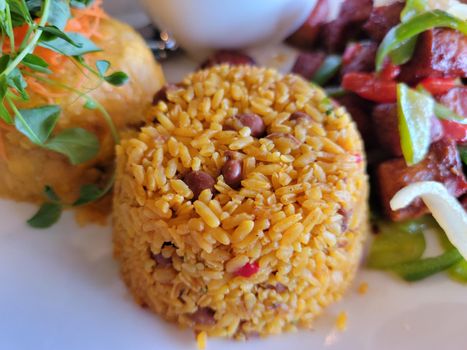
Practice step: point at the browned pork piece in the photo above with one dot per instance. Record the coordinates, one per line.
(442, 164)
(382, 19)
(308, 63)
(456, 100)
(306, 35)
(359, 57)
(232, 57)
(347, 24)
(439, 53)
(360, 110)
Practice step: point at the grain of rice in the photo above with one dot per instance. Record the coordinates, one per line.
(242, 230)
(341, 321)
(206, 214)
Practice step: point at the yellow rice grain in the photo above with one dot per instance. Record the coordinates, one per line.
(341, 321)
(236, 263)
(181, 188)
(243, 230)
(201, 340)
(206, 214)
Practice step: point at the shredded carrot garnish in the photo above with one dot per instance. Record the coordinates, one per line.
(42, 91)
(84, 21)
(88, 20)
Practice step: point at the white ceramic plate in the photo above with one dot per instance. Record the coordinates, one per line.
(60, 290)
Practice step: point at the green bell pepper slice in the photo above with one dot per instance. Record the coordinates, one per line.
(399, 35)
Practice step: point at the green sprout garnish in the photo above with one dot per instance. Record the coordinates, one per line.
(45, 22)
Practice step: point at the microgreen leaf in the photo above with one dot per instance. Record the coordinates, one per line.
(2, 5)
(3, 87)
(117, 78)
(80, 4)
(78, 144)
(16, 80)
(59, 13)
(87, 194)
(47, 215)
(17, 13)
(36, 63)
(102, 66)
(50, 33)
(65, 48)
(50, 194)
(34, 6)
(25, 9)
(90, 104)
(37, 123)
(4, 60)
(4, 114)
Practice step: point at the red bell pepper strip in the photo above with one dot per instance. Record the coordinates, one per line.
(455, 131)
(438, 86)
(390, 71)
(370, 87)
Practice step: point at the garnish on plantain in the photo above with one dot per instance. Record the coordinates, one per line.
(32, 34)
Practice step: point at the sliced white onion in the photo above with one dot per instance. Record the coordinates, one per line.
(454, 7)
(379, 3)
(459, 10)
(446, 210)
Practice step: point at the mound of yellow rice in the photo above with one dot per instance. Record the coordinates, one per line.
(240, 209)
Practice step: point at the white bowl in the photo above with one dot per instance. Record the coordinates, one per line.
(200, 26)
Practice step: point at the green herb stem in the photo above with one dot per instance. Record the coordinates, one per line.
(11, 36)
(84, 95)
(108, 186)
(30, 46)
(108, 119)
(26, 38)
